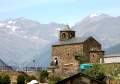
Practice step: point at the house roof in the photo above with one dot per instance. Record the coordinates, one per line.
(77, 76)
(112, 55)
(72, 41)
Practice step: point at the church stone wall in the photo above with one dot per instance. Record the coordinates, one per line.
(95, 56)
(65, 55)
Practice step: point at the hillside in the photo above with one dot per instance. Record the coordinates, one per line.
(114, 49)
(104, 27)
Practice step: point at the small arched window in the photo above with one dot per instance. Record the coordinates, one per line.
(55, 61)
(63, 35)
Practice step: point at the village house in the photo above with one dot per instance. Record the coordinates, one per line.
(111, 58)
(80, 78)
(64, 50)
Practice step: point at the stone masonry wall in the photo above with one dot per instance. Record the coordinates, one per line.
(88, 45)
(66, 60)
(95, 56)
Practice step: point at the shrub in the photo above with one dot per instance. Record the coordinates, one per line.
(21, 79)
(5, 79)
(96, 71)
(80, 57)
(0, 79)
(43, 76)
(29, 78)
(54, 78)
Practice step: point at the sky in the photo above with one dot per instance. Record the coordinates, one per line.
(60, 11)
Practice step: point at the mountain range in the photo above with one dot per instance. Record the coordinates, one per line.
(23, 40)
(113, 49)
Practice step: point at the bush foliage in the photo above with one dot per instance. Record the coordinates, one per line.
(4, 79)
(54, 78)
(43, 76)
(29, 78)
(96, 71)
(21, 79)
(80, 57)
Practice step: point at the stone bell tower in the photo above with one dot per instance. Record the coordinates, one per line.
(66, 33)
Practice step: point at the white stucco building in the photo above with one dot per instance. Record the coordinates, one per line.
(111, 58)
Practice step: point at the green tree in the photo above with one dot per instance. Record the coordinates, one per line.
(96, 71)
(54, 78)
(0, 79)
(29, 78)
(80, 57)
(43, 76)
(5, 79)
(21, 79)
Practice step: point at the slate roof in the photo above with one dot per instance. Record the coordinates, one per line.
(72, 41)
(112, 55)
(64, 81)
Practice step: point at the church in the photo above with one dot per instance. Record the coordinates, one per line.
(64, 50)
